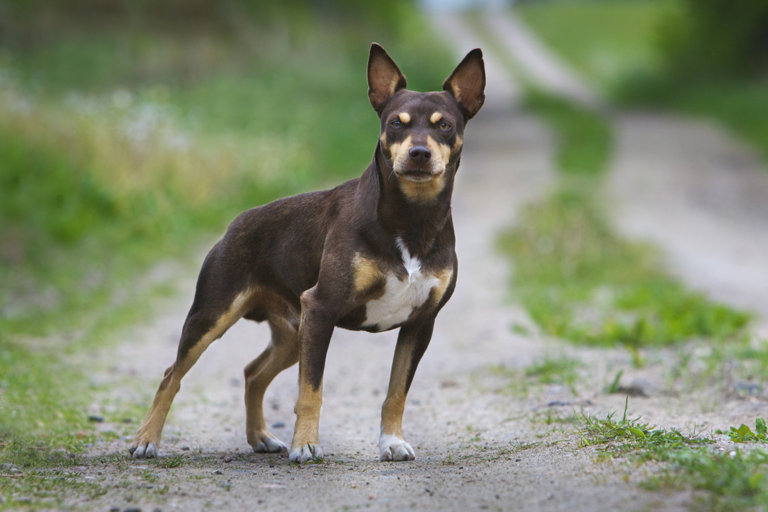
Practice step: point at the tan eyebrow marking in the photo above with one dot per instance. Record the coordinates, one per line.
(435, 117)
(405, 117)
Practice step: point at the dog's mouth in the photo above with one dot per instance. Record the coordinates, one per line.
(417, 175)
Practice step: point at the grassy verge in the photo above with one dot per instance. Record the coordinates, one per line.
(584, 141)
(578, 279)
(583, 283)
(624, 59)
(724, 479)
(136, 144)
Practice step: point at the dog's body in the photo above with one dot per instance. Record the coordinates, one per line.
(374, 253)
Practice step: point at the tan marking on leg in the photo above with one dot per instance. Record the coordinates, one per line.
(307, 415)
(435, 117)
(366, 272)
(392, 415)
(282, 352)
(394, 404)
(404, 117)
(151, 430)
(444, 278)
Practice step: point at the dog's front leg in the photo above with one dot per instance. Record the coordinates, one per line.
(411, 344)
(315, 331)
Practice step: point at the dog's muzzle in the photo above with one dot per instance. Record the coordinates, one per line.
(419, 165)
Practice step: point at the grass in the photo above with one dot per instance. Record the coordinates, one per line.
(578, 279)
(584, 138)
(724, 480)
(625, 60)
(558, 370)
(744, 434)
(555, 370)
(623, 47)
(583, 283)
(136, 144)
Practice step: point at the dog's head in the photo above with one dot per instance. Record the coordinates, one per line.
(421, 132)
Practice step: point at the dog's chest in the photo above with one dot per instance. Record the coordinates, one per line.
(403, 295)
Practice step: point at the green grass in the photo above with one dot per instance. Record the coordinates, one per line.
(625, 60)
(623, 46)
(582, 283)
(724, 480)
(740, 105)
(744, 434)
(555, 370)
(630, 437)
(578, 279)
(583, 137)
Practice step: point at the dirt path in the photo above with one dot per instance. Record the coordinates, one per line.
(479, 444)
(693, 190)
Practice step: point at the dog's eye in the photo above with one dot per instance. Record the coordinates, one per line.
(396, 123)
(445, 126)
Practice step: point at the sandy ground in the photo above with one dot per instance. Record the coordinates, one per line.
(480, 444)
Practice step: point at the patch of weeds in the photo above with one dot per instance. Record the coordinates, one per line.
(520, 329)
(584, 137)
(582, 282)
(630, 437)
(43, 488)
(728, 481)
(149, 476)
(615, 384)
(744, 434)
(170, 462)
(561, 370)
(732, 481)
(476, 435)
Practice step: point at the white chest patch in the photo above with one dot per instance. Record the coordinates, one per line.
(401, 296)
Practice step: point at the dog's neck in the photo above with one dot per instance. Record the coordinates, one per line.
(417, 223)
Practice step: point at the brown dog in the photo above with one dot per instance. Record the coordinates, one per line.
(373, 254)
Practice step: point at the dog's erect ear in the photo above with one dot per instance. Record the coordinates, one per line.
(384, 77)
(467, 83)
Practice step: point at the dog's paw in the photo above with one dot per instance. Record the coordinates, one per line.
(143, 450)
(393, 448)
(267, 443)
(308, 452)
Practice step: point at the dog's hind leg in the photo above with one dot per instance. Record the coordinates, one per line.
(282, 352)
(204, 324)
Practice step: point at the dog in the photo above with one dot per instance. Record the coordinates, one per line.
(373, 254)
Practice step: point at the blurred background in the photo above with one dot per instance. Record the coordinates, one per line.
(129, 128)
(133, 131)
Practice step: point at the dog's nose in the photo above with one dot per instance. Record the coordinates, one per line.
(419, 154)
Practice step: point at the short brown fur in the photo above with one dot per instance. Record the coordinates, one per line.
(309, 263)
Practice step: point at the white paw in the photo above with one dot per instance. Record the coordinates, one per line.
(306, 453)
(393, 448)
(144, 451)
(269, 444)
